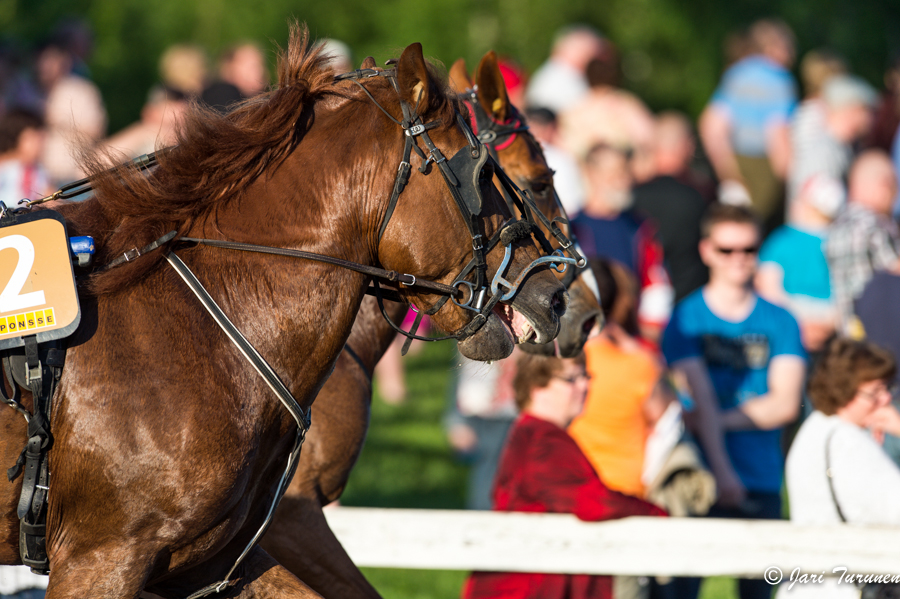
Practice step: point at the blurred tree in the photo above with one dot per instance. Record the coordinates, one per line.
(672, 49)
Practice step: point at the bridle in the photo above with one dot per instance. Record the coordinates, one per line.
(498, 136)
(466, 173)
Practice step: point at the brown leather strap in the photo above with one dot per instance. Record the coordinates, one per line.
(372, 271)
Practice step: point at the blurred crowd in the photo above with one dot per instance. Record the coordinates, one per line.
(737, 257)
(748, 266)
(51, 111)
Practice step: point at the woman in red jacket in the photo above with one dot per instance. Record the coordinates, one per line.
(543, 470)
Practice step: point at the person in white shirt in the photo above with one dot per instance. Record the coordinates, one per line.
(560, 82)
(836, 469)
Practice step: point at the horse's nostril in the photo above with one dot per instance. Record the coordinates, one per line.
(558, 302)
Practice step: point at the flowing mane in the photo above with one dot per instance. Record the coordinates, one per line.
(216, 158)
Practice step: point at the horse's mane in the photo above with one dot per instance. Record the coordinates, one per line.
(216, 158)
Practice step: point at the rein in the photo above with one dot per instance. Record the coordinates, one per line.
(378, 273)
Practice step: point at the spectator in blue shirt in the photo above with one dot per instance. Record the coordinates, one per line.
(744, 363)
(744, 127)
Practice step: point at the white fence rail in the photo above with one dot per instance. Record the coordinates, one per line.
(465, 540)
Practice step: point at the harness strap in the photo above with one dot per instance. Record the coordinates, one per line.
(237, 338)
(400, 182)
(433, 310)
(82, 186)
(414, 329)
(487, 129)
(301, 417)
(13, 400)
(489, 132)
(134, 253)
(372, 271)
(41, 377)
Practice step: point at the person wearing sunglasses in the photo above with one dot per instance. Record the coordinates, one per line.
(837, 471)
(543, 470)
(744, 364)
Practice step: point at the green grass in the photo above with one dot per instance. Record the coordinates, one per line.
(407, 462)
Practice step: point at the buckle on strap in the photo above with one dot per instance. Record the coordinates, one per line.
(131, 254)
(33, 373)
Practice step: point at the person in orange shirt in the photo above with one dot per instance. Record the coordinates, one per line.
(624, 397)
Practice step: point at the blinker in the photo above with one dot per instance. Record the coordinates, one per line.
(469, 170)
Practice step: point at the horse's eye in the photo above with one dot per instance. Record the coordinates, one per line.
(540, 187)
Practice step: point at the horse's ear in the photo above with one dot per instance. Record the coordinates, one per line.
(368, 63)
(412, 76)
(491, 88)
(459, 77)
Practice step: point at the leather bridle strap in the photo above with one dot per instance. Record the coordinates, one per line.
(489, 131)
(237, 338)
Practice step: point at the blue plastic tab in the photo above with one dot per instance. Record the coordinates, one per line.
(82, 245)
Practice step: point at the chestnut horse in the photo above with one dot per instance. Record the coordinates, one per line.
(300, 538)
(169, 448)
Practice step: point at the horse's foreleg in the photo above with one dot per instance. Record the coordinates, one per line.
(261, 577)
(110, 572)
(300, 539)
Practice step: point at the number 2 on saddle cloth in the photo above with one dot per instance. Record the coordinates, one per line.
(38, 310)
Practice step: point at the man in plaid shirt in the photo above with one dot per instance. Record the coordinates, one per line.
(863, 238)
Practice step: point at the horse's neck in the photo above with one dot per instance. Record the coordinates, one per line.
(301, 310)
(289, 309)
(372, 335)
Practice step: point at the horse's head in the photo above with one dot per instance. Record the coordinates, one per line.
(500, 125)
(450, 224)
